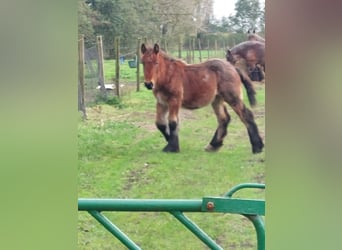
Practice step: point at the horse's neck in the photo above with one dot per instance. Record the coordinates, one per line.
(255, 37)
(171, 68)
(259, 38)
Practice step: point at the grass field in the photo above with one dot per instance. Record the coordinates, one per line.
(120, 157)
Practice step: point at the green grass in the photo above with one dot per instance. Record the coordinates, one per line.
(120, 157)
(127, 74)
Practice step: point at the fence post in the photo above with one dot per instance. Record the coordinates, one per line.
(138, 65)
(190, 50)
(117, 65)
(193, 45)
(224, 47)
(208, 49)
(100, 61)
(180, 48)
(215, 48)
(200, 49)
(188, 53)
(165, 45)
(81, 104)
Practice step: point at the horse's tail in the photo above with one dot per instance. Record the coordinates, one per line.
(246, 81)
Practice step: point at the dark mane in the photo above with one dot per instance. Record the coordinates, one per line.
(170, 58)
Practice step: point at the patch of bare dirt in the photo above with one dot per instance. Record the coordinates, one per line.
(259, 178)
(187, 114)
(146, 120)
(136, 176)
(143, 120)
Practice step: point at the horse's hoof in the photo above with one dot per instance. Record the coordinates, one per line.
(168, 149)
(210, 148)
(257, 150)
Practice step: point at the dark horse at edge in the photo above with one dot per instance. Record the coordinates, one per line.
(249, 56)
(176, 84)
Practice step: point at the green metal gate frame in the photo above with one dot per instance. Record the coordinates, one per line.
(251, 208)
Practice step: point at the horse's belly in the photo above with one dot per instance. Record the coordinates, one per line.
(198, 99)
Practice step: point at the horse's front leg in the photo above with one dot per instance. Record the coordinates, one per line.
(173, 142)
(161, 120)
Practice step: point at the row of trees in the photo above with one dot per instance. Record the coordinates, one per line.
(161, 20)
(249, 14)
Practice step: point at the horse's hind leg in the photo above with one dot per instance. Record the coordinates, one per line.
(261, 72)
(247, 118)
(223, 119)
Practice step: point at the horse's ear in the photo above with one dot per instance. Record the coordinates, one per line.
(156, 48)
(249, 31)
(229, 52)
(143, 48)
(254, 31)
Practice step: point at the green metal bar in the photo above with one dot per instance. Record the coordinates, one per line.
(259, 228)
(256, 219)
(196, 230)
(242, 186)
(114, 230)
(233, 206)
(252, 209)
(140, 205)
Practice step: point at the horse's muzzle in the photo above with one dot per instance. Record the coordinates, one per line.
(148, 85)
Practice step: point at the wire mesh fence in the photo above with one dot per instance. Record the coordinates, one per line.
(102, 76)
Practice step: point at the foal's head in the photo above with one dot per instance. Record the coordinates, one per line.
(150, 60)
(254, 37)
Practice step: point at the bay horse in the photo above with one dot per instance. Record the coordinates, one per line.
(249, 56)
(176, 84)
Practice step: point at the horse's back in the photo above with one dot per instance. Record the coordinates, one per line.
(242, 47)
(205, 80)
(199, 86)
(252, 51)
(228, 79)
(224, 70)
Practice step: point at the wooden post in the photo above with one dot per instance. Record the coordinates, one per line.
(190, 51)
(138, 65)
(215, 48)
(208, 49)
(81, 104)
(100, 65)
(180, 48)
(224, 47)
(193, 49)
(117, 65)
(165, 45)
(200, 49)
